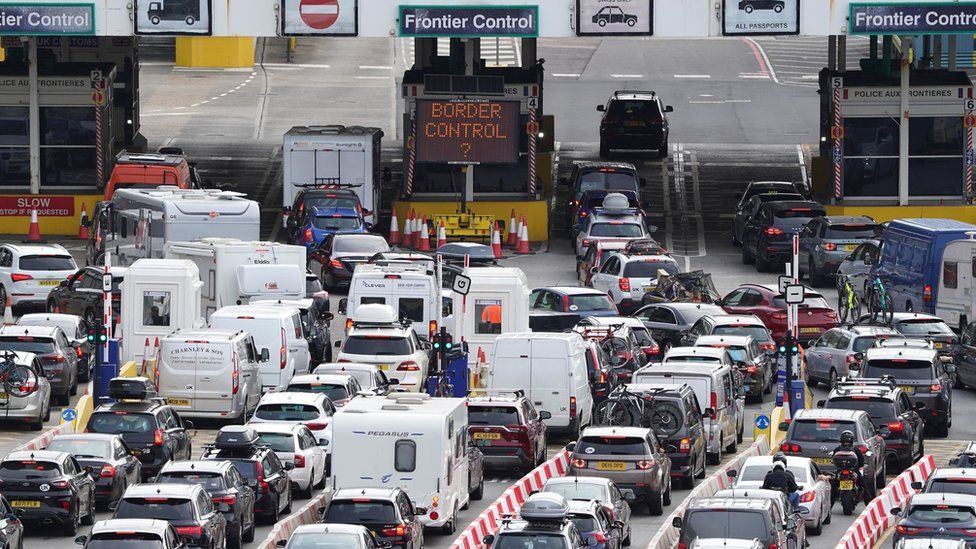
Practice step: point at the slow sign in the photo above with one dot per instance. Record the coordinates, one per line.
(467, 131)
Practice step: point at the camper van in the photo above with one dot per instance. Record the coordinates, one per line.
(408, 441)
(235, 271)
(137, 222)
(957, 282)
(210, 373)
(159, 296)
(497, 303)
(551, 368)
(277, 329)
(411, 289)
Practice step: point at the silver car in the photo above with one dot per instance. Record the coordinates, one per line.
(814, 490)
(856, 267)
(34, 408)
(601, 489)
(830, 357)
(826, 241)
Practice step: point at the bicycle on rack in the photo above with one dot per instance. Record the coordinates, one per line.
(849, 304)
(879, 301)
(17, 379)
(624, 408)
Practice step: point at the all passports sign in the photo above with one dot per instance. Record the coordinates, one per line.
(761, 17)
(47, 19)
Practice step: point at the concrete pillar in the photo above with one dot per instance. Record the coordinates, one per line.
(905, 69)
(952, 53)
(832, 52)
(937, 52)
(529, 52)
(842, 53)
(34, 117)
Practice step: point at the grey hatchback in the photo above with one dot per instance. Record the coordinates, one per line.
(840, 351)
(826, 241)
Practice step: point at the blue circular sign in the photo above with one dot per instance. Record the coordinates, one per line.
(69, 414)
(762, 421)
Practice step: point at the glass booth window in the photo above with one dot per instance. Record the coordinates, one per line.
(871, 137)
(935, 136)
(13, 126)
(488, 316)
(14, 155)
(935, 176)
(156, 308)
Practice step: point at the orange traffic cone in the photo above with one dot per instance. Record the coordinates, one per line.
(145, 358)
(496, 243)
(83, 226)
(423, 244)
(8, 313)
(518, 231)
(394, 237)
(441, 235)
(523, 245)
(418, 234)
(512, 231)
(34, 230)
(407, 240)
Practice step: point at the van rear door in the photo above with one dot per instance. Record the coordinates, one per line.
(550, 378)
(510, 367)
(214, 377)
(177, 373)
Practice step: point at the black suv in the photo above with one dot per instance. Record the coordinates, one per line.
(152, 430)
(923, 376)
(888, 405)
(307, 200)
(48, 487)
(634, 120)
(81, 295)
(260, 467)
(588, 175)
(767, 237)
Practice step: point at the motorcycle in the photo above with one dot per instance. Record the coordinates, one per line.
(848, 480)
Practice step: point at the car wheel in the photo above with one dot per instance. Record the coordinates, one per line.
(601, 22)
(701, 461)
(879, 481)
(631, 22)
(234, 539)
(47, 412)
(71, 527)
(730, 448)
(716, 457)
(815, 279)
(666, 497)
(479, 492)
(89, 518)
(662, 151)
(818, 529)
(190, 20)
(307, 493)
(655, 505)
(762, 265)
(287, 509)
(832, 382)
(451, 525)
(275, 514)
(604, 150)
(248, 535)
(154, 20)
(322, 481)
(735, 241)
(3, 298)
(627, 539)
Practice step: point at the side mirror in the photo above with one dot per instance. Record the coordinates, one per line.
(628, 494)
(187, 424)
(895, 511)
(731, 473)
(708, 412)
(676, 522)
(112, 506)
(321, 511)
(571, 446)
(323, 443)
(384, 545)
(916, 485)
(343, 303)
(420, 511)
(821, 403)
(594, 270)
(81, 540)
(954, 461)
(854, 367)
(281, 543)
(740, 364)
(858, 356)
(784, 426)
(601, 108)
(326, 316)
(289, 466)
(668, 108)
(488, 540)
(265, 355)
(545, 414)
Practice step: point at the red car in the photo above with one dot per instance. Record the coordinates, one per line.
(764, 300)
(507, 428)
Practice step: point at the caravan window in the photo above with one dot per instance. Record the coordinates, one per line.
(372, 300)
(488, 316)
(405, 456)
(156, 308)
(412, 308)
(950, 274)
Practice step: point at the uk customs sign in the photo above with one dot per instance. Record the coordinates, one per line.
(47, 19)
(934, 18)
(761, 17)
(461, 21)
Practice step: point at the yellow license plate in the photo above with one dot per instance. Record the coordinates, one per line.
(4, 396)
(22, 504)
(847, 485)
(486, 436)
(823, 461)
(810, 330)
(611, 466)
(49, 282)
(178, 401)
(384, 367)
(938, 345)
(850, 247)
(908, 390)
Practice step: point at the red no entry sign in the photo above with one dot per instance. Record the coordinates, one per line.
(319, 14)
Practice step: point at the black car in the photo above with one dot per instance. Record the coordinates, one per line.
(227, 490)
(667, 321)
(258, 465)
(307, 200)
(922, 375)
(767, 239)
(48, 487)
(589, 175)
(634, 120)
(761, 187)
(152, 430)
(186, 506)
(748, 209)
(922, 326)
(888, 405)
(114, 468)
(388, 512)
(82, 294)
(339, 253)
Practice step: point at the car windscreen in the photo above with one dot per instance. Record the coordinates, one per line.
(644, 338)
(27, 344)
(584, 523)
(163, 508)
(577, 490)
(125, 540)
(361, 511)
(366, 245)
(692, 358)
(376, 345)
(849, 231)
(364, 377)
(923, 326)
(594, 302)
(757, 472)
(47, 263)
(532, 540)
(492, 415)
(28, 469)
(286, 412)
(738, 354)
(941, 513)
(758, 332)
(616, 230)
(330, 202)
(875, 407)
(120, 423)
(279, 442)
(900, 369)
(329, 540)
(798, 213)
(331, 390)
(649, 269)
(600, 180)
(864, 343)
(634, 111)
(810, 301)
(211, 482)
(612, 445)
(336, 223)
(81, 448)
(724, 523)
(247, 467)
(809, 430)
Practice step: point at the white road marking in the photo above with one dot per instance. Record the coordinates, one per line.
(692, 76)
(718, 102)
(298, 65)
(626, 76)
(375, 67)
(810, 76)
(184, 113)
(758, 76)
(738, 100)
(372, 77)
(565, 74)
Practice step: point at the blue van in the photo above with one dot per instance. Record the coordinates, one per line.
(911, 260)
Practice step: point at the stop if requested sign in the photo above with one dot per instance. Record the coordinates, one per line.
(319, 17)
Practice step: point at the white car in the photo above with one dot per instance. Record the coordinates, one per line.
(295, 444)
(369, 376)
(814, 490)
(378, 337)
(340, 388)
(603, 225)
(309, 409)
(29, 272)
(626, 278)
(712, 355)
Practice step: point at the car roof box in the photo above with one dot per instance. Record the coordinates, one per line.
(131, 388)
(616, 201)
(236, 437)
(544, 507)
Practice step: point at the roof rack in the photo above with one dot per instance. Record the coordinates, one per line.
(616, 211)
(622, 92)
(517, 393)
(327, 183)
(865, 382)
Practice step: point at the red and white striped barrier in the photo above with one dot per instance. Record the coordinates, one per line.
(490, 520)
(871, 525)
(41, 441)
(308, 514)
(667, 535)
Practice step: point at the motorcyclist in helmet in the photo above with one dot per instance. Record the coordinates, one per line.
(782, 479)
(847, 445)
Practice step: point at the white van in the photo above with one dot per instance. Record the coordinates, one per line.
(409, 441)
(411, 289)
(210, 373)
(277, 329)
(551, 367)
(715, 388)
(234, 272)
(956, 299)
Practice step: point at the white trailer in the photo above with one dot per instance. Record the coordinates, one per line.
(497, 303)
(236, 271)
(347, 156)
(410, 441)
(956, 297)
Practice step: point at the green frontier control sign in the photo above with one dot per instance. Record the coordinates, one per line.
(47, 19)
(461, 21)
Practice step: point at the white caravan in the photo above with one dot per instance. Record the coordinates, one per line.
(410, 441)
(956, 299)
(497, 303)
(411, 289)
(236, 271)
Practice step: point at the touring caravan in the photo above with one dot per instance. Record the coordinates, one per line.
(497, 303)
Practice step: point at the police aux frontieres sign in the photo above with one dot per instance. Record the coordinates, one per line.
(53, 19)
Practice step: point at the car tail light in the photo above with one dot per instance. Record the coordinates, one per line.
(284, 349)
(624, 284)
(832, 315)
(517, 428)
(599, 537)
(652, 350)
(685, 445)
(229, 499)
(335, 264)
(936, 387)
(108, 471)
(789, 448)
(398, 531)
(967, 531)
(778, 315)
(78, 352)
(235, 376)
(772, 546)
(927, 293)
(830, 246)
(645, 464)
(308, 235)
(807, 497)
(586, 242)
(299, 461)
(773, 231)
(713, 402)
(579, 463)
(316, 426)
(60, 485)
(432, 328)
(565, 303)
(851, 358)
(845, 472)
(58, 358)
(751, 370)
(572, 406)
(863, 448)
(348, 325)
(433, 515)
(896, 426)
(262, 484)
(158, 437)
(20, 277)
(682, 545)
(408, 366)
(192, 531)
(902, 529)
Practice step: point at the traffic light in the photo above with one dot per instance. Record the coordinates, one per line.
(102, 334)
(97, 334)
